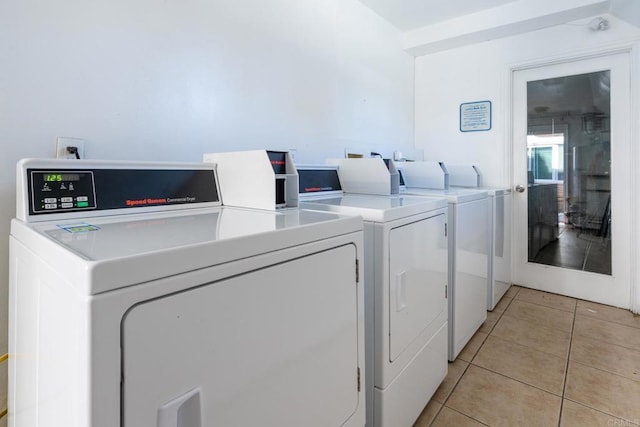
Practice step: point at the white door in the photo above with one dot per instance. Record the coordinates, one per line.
(417, 281)
(572, 178)
(277, 346)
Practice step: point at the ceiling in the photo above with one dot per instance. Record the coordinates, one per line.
(429, 26)
(411, 15)
(408, 15)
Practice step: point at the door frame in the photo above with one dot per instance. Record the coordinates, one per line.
(632, 49)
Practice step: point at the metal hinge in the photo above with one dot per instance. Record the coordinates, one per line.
(357, 271)
(358, 379)
(446, 288)
(445, 230)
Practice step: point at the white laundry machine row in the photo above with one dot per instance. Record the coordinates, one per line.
(469, 248)
(137, 300)
(405, 288)
(468, 176)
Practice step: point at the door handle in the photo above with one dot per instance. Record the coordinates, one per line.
(183, 411)
(520, 188)
(401, 291)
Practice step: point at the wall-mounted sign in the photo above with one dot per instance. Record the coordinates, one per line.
(475, 116)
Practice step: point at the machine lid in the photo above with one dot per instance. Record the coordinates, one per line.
(377, 208)
(496, 191)
(491, 191)
(105, 253)
(131, 235)
(453, 195)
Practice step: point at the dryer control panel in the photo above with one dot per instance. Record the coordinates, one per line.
(56, 189)
(318, 179)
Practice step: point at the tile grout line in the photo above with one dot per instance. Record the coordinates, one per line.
(543, 305)
(464, 415)
(547, 306)
(587, 337)
(449, 395)
(604, 413)
(606, 372)
(469, 364)
(572, 335)
(566, 368)
(518, 381)
(528, 346)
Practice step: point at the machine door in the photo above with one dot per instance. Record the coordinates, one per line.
(417, 280)
(272, 347)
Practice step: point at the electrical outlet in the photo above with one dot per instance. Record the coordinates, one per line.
(61, 148)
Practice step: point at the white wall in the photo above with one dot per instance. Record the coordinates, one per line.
(172, 79)
(479, 72)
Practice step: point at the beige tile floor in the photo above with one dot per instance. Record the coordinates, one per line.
(542, 359)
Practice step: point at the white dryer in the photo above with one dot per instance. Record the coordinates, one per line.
(137, 300)
(469, 249)
(500, 215)
(405, 293)
(468, 176)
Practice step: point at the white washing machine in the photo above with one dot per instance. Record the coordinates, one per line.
(137, 300)
(468, 176)
(500, 267)
(405, 294)
(469, 248)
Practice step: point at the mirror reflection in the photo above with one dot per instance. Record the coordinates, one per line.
(569, 172)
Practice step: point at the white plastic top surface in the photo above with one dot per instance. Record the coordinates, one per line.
(453, 195)
(491, 191)
(496, 191)
(100, 254)
(377, 208)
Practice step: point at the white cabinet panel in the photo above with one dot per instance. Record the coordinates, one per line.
(470, 267)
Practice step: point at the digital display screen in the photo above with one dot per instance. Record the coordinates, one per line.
(59, 177)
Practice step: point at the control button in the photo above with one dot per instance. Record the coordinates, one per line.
(82, 199)
(67, 205)
(82, 204)
(51, 200)
(50, 206)
(66, 199)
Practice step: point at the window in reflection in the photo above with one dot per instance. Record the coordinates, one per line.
(568, 155)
